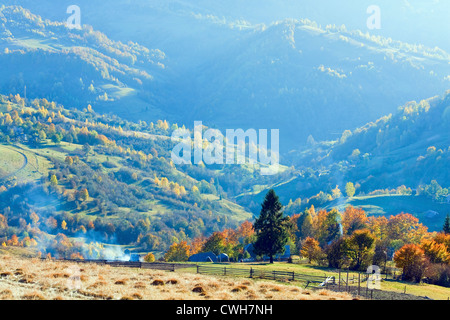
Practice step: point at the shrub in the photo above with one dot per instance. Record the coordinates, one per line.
(199, 289)
(157, 283)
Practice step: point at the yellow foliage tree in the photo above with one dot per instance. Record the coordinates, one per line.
(353, 219)
(178, 252)
(150, 257)
(310, 249)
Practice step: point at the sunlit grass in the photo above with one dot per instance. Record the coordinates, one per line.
(55, 280)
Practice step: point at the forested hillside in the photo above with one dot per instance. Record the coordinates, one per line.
(44, 59)
(409, 147)
(293, 74)
(398, 163)
(78, 174)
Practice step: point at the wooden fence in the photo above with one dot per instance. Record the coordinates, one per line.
(309, 280)
(135, 264)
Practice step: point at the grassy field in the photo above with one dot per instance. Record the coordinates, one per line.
(228, 207)
(21, 164)
(35, 279)
(11, 161)
(391, 287)
(422, 290)
(12, 258)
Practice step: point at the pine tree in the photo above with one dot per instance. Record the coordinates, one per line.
(271, 227)
(446, 227)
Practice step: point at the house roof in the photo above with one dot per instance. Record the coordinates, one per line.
(203, 257)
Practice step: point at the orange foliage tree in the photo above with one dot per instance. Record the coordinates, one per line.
(435, 252)
(197, 244)
(245, 232)
(353, 219)
(310, 249)
(407, 228)
(411, 258)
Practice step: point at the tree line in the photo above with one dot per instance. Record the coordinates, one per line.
(344, 240)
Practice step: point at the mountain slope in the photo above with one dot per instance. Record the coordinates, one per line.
(400, 162)
(75, 67)
(410, 147)
(307, 81)
(292, 75)
(103, 179)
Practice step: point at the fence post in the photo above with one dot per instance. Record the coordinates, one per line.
(339, 284)
(293, 276)
(173, 267)
(367, 288)
(359, 284)
(198, 268)
(346, 285)
(251, 273)
(224, 271)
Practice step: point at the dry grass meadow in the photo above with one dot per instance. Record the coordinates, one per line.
(35, 279)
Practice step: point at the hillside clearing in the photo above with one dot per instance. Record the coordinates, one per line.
(21, 164)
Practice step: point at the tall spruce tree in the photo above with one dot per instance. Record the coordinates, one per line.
(272, 228)
(446, 227)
